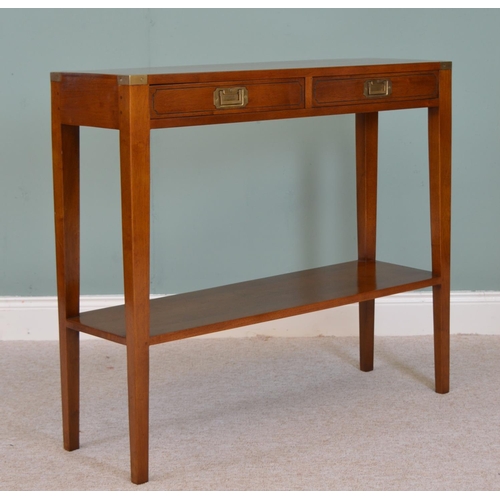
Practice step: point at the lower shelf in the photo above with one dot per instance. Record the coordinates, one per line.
(231, 306)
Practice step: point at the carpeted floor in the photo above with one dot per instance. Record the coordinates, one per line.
(260, 414)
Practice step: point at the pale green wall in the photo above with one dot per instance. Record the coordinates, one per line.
(238, 202)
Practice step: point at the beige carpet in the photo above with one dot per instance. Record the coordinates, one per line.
(260, 414)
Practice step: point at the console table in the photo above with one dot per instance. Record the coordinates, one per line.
(138, 100)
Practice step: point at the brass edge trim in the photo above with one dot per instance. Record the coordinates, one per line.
(55, 77)
(446, 65)
(132, 79)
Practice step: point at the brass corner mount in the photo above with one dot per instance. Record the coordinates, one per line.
(132, 79)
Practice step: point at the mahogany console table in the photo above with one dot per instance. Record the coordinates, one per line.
(136, 101)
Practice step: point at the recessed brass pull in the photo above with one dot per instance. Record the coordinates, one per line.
(378, 88)
(232, 97)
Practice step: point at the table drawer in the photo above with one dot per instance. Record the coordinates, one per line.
(334, 91)
(225, 97)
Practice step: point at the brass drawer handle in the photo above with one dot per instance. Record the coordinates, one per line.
(378, 88)
(233, 97)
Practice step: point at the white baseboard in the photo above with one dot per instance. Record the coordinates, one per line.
(35, 318)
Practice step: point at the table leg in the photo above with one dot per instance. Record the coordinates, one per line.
(366, 195)
(440, 202)
(66, 178)
(135, 189)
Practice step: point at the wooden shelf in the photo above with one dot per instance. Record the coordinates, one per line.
(230, 306)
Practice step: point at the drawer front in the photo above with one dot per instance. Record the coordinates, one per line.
(225, 97)
(334, 91)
